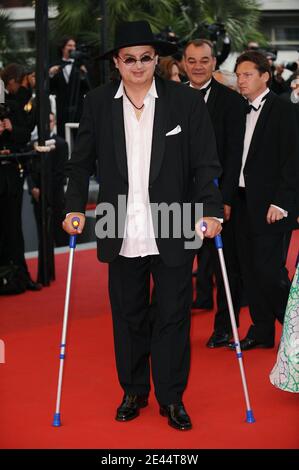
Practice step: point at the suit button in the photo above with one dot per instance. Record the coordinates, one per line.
(150, 186)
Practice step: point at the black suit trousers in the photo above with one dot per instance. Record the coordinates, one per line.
(161, 335)
(262, 262)
(11, 234)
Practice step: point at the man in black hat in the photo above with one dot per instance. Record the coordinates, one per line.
(154, 144)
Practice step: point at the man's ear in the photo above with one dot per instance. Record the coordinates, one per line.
(214, 65)
(115, 62)
(266, 77)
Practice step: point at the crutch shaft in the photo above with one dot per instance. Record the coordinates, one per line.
(234, 326)
(56, 420)
(64, 329)
(219, 247)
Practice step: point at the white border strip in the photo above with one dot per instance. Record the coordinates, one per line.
(64, 249)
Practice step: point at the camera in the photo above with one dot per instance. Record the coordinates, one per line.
(168, 34)
(80, 55)
(215, 31)
(292, 66)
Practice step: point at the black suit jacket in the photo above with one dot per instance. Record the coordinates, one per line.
(227, 111)
(271, 169)
(182, 167)
(17, 139)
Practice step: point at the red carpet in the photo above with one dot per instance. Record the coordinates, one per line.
(30, 325)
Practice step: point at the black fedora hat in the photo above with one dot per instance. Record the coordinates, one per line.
(138, 33)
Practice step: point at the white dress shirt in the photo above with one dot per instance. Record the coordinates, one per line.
(139, 238)
(67, 69)
(251, 121)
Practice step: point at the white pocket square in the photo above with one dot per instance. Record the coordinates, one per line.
(174, 131)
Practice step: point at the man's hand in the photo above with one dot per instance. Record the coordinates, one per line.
(226, 212)
(35, 194)
(54, 70)
(67, 223)
(7, 124)
(83, 69)
(273, 215)
(214, 227)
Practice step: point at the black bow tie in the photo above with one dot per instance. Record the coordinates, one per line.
(204, 90)
(250, 107)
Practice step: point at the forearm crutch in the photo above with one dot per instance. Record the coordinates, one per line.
(72, 245)
(219, 247)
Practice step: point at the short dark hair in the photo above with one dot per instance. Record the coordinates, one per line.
(259, 60)
(16, 71)
(199, 43)
(64, 41)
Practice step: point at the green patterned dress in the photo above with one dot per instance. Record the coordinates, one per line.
(285, 373)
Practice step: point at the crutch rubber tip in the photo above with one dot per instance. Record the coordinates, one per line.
(249, 417)
(56, 420)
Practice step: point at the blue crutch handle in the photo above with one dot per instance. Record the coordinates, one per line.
(73, 238)
(218, 242)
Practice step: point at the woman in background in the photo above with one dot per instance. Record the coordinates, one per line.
(168, 68)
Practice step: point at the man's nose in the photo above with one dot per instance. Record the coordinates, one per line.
(139, 64)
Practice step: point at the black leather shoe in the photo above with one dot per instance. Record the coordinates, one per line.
(250, 343)
(202, 305)
(177, 416)
(31, 285)
(218, 340)
(129, 408)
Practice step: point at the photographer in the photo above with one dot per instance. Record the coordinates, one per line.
(14, 134)
(217, 33)
(25, 94)
(69, 82)
(278, 84)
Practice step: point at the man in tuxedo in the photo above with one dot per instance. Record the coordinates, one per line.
(265, 205)
(69, 83)
(154, 143)
(227, 111)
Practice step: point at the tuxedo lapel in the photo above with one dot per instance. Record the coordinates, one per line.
(159, 131)
(263, 117)
(212, 97)
(119, 136)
